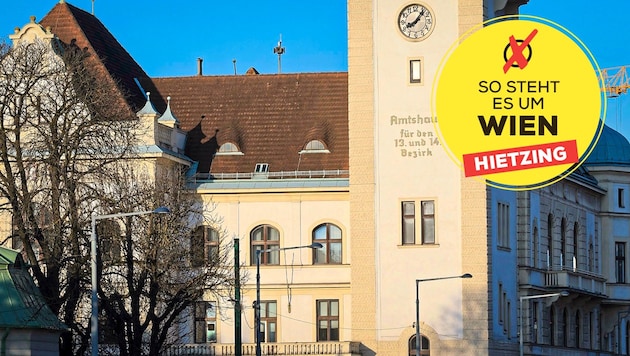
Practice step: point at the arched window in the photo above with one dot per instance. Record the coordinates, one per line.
(229, 148)
(314, 145)
(204, 246)
(563, 242)
(329, 235)
(265, 237)
(425, 350)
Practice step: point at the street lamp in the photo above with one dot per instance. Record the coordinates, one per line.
(94, 318)
(257, 308)
(564, 293)
(465, 275)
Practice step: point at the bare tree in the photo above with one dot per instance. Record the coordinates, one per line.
(149, 281)
(61, 129)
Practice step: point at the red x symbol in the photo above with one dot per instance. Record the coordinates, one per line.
(517, 52)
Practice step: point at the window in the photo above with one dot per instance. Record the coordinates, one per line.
(503, 225)
(329, 235)
(426, 225)
(591, 258)
(204, 246)
(627, 337)
(408, 223)
(620, 262)
(205, 322)
(428, 222)
(314, 146)
(534, 325)
(328, 320)
(621, 198)
(591, 329)
(261, 168)
(108, 334)
(535, 254)
(578, 336)
(552, 327)
(508, 319)
(505, 310)
(265, 237)
(563, 242)
(229, 148)
(576, 241)
(110, 242)
(268, 320)
(549, 241)
(501, 311)
(565, 328)
(415, 71)
(424, 346)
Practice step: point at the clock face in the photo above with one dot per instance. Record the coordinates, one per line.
(416, 22)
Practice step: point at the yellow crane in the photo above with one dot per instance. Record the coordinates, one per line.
(616, 81)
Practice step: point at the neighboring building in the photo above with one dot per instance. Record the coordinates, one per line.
(609, 163)
(28, 326)
(351, 160)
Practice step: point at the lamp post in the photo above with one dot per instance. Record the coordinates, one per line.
(93, 249)
(257, 307)
(465, 275)
(528, 297)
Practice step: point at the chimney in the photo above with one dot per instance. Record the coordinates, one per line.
(200, 66)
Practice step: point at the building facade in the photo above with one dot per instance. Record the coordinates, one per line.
(352, 161)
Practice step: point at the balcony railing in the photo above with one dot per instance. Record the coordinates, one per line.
(336, 173)
(563, 277)
(332, 348)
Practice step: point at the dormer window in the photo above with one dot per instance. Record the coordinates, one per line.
(229, 148)
(314, 146)
(261, 168)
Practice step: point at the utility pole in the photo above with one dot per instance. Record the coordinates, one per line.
(237, 301)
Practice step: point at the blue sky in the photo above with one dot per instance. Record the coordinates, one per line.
(166, 38)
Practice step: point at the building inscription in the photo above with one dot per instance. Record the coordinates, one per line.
(414, 135)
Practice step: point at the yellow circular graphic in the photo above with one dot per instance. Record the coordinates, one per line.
(518, 103)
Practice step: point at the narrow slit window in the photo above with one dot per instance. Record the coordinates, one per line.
(415, 71)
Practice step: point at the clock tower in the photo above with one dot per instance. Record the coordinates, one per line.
(413, 214)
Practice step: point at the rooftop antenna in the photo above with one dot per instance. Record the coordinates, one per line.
(92, 7)
(279, 50)
(234, 63)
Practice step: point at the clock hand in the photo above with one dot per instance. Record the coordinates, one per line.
(414, 22)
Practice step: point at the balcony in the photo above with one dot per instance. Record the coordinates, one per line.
(331, 348)
(564, 278)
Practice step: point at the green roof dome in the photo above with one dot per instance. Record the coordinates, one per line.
(611, 149)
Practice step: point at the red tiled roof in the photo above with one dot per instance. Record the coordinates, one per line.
(269, 117)
(71, 24)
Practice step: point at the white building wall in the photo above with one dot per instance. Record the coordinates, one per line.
(405, 171)
(295, 284)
